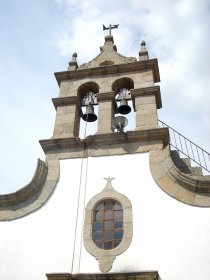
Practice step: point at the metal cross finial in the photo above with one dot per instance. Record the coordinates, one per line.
(111, 26)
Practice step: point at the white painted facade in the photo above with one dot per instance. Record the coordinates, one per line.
(168, 236)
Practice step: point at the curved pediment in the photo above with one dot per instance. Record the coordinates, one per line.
(33, 196)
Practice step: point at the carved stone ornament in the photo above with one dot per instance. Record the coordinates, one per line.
(107, 257)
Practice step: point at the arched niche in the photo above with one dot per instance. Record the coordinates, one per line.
(121, 88)
(122, 83)
(88, 127)
(85, 88)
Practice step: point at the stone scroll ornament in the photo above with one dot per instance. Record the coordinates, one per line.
(107, 256)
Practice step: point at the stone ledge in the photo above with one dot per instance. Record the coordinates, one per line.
(143, 275)
(151, 64)
(63, 101)
(105, 96)
(106, 150)
(99, 140)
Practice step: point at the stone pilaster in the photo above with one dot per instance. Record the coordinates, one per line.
(67, 120)
(106, 111)
(146, 101)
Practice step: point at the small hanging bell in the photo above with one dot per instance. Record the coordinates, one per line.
(89, 115)
(124, 108)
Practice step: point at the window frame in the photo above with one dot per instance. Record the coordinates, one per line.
(106, 257)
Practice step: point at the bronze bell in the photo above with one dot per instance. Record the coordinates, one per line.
(89, 115)
(124, 108)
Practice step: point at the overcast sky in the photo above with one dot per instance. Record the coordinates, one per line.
(38, 38)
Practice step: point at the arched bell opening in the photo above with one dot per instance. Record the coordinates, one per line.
(87, 95)
(122, 89)
(122, 83)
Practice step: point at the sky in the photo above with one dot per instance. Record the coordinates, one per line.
(39, 37)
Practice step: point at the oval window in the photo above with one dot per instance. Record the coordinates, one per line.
(108, 224)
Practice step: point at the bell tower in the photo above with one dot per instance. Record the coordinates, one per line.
(110, 81)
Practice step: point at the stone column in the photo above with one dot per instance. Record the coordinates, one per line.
(146, 101)
(106, 112)
(67, 120)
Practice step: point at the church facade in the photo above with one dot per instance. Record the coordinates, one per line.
(116, 204)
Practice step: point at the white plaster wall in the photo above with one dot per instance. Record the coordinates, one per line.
(169, 236)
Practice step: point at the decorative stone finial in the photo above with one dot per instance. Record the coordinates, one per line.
(143, 53)
(143, 43)
(74, 55)
(108, 183)
(73, 63)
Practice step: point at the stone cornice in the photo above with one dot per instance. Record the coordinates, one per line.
(155, 90)
(138, 275)
(198, 184)
(63, 101)
(99, 140)
(193, 190)
(137, 66)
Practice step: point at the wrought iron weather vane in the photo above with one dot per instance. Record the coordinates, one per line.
(111, 26)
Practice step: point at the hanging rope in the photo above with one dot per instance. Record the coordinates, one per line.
(78, 203)
(83, 215)
(77, 214)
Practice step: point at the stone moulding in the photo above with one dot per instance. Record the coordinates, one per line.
(138, 275)
(193, 190)
(64, 101)
(137, 66)
(31, 197)
(99, 140)
(107, 257)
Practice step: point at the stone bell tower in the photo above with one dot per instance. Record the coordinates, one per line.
(111, 79)
(128, 226)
